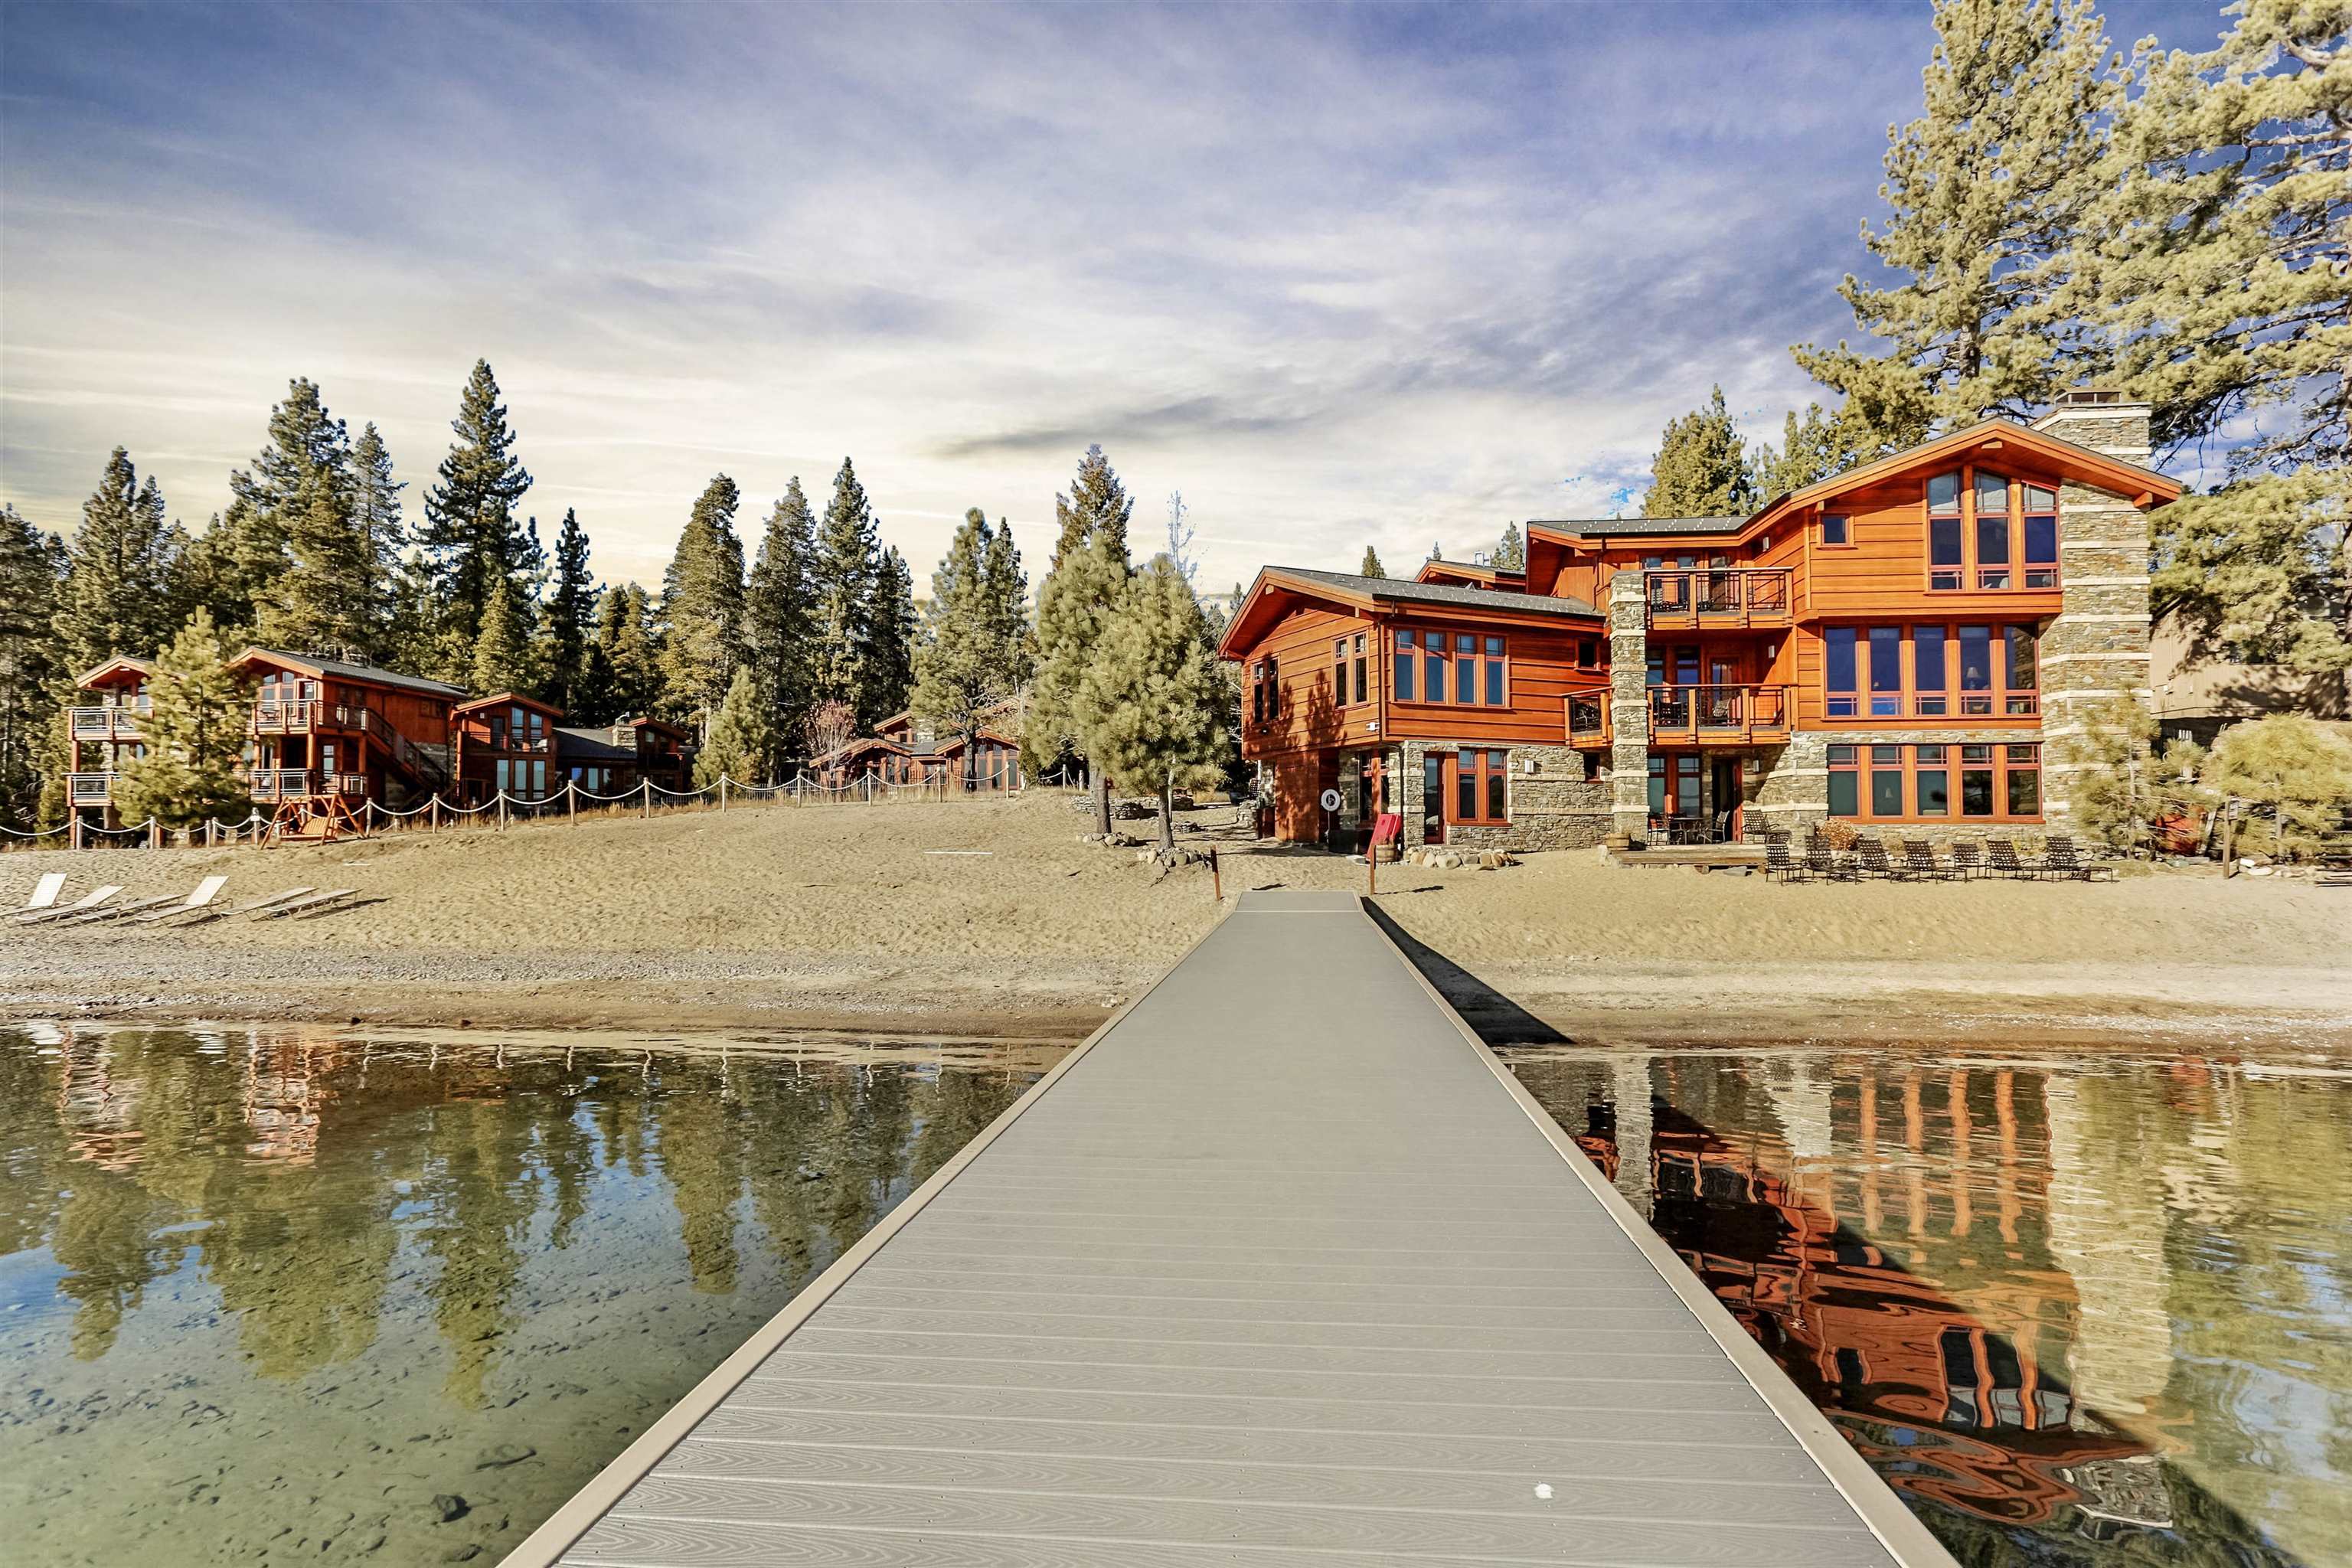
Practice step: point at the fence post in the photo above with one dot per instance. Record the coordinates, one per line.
(646, 788)
(436, 818)
(73, 833)
(571, 801)
(155, 832)
(722, 792)
(502, 808)
(1216, 876)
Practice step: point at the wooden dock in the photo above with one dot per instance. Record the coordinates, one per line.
(1281, 1266)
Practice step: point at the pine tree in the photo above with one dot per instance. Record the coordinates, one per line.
(1086, 584)
(470, 537)
(1812, 449)
(375, 510)
(570, 618)
(32, 573)
(1701, 468)
(1007, 602)
(280, 564)
(502, 650)
(780, 616)
(740, 739)
(1370, 568)
(1986, 190)
(702, 605)
(193, 733)
(1151, 705)
(891, 671)
(962, 666)
(119, 590)
(635, 653)
(1511, 552)
(844, 574)
(2219, 260)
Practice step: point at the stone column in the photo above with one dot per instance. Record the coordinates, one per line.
(1629, 702)
(2097, 647)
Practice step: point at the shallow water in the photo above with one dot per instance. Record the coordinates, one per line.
(2087, 1311)
(277, 1294)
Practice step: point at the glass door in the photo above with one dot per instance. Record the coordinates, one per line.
(1433, 797)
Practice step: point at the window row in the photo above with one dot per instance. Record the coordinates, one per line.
(1347, 654)
(518, 728)
(1986, 530)
(524, 781)
(1481, 786)
(1265, 691)
(1990, 781)
(1970, 670)
(1430, 664)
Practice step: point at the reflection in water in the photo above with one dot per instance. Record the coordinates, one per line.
(2080, 1312)
(270, 1292)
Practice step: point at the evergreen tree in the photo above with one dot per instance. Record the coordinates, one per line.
(470, 537)
(702, 605)
(1985, 191)
(1370, 568)
(1812, 449)
(1701, 468)
(502, 650)
(780, 616)
(891, 673)
(119, 590)
(2219, 258)
(375, 510)
(281, 564)
(847, 564)
(740, 739)
(635, 655)
(32, 572)
(1007, 600)
(194, 734)
(1511, 554)
(570, 619)
(1151, 705)
(963, 664)
(1086, 584)
(2289, 775)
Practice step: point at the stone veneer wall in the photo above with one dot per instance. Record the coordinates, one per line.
(1561, 806)
(1629, 732)
(1792, 793)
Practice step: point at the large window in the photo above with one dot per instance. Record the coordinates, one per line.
(1406, 658)
(1886, 672)
(2007, 536)
(1994, 669)
(1998, 781)
(1363, 671)
(1340, 673)
(1265, 691)
(1467, 668)
(1838, 670)
(1481, 786)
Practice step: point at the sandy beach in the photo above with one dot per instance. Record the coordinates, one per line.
(990, 918)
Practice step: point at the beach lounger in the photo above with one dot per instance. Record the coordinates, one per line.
(88, 901)
(46, 890)
(2061, 861)
(216, 912)
(1919, 862)
(1779, 862)
(117, 911)
(316, 904)
(2000, 860)
(1968, 861)
(205, 892)
(1870, 855)
(1821, 860)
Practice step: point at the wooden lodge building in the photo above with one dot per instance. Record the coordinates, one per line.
(1896, 646)
(521, 744)
(904, 749)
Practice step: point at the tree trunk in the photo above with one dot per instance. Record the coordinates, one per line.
(1102, 801)
(1167, 815)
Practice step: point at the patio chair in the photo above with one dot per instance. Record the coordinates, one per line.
(205, 892)
(1822, 861)
(1870, 855)
(316, 904)
(45, 891)
(1779, 863)
(2061, 861)
(1919, 862)
(1967, 860)
(2000, 860)
(88, 902)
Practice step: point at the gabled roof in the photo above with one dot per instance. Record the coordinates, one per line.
(365, 674)
(591, 746)
(859, 748)
(1370, 593)
(1436, 568)
(507, 700)
(1628, 526)
(120, 664)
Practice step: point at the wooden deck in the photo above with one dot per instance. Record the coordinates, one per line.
(1280, 1268)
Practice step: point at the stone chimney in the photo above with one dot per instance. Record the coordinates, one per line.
(2103, 419)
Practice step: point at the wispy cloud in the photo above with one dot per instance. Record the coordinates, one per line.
(1382, 275)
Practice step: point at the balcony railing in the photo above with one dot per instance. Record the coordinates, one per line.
(1719, 596)
(304, 783)
(88, 789)
(1588, 720)
(110, 722)
(1718, 715)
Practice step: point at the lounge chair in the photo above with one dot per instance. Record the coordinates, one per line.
(46, 890)
(254, 908)
(1779, 863)
(2060, 860)
(205, 892)
(1821, 860)
(1919, 861)
(316, 904)
(87, 902)
(1967, 860)
(2000, 860)
(118, 912)
(1870, 855)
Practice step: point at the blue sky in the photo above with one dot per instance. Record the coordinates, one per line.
(1342, 275)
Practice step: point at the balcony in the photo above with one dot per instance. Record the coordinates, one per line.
(88, 789)
(1587, 721)
(1718, 715)
(304, 783)
(110, 722)
(1717, 599)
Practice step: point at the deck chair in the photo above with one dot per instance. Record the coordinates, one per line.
(1821, 860)
(1779, 863)
(87, 902)
(2060, 860)
(1870, 855)
(1919, 861)
(205, 892)
(2001, 859)
(1968, 861)
(216, 912)
(46, 891)
(117, 911)
(316, 904)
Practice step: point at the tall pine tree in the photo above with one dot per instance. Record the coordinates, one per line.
(502, 652)
(32, 573)
(1985, 191)
(1007, 606)
(891, 668)
(845, 573)
(1511, 550)
(1371, 567)
(119, 593)
(1701, 468)
(1151, 705)
(281, 564)
(1085, 586)
(470, 538)
(780, 617)
(375, 510)
(702, 605)
(963, 664)
(570, 620)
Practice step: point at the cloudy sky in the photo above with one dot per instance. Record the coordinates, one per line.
(1342, 275)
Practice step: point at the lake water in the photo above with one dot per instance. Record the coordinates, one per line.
(2090, 1310)
(280, 1295)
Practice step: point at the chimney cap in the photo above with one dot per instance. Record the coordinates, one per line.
(2092, 397)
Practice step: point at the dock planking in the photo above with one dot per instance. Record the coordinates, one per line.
(1280, 1268)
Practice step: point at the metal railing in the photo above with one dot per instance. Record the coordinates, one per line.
(1588, 718)
(310, 712)
(304, 783)
(88, 789)
(110, 721)
(1721, 714)
(1717, 596)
